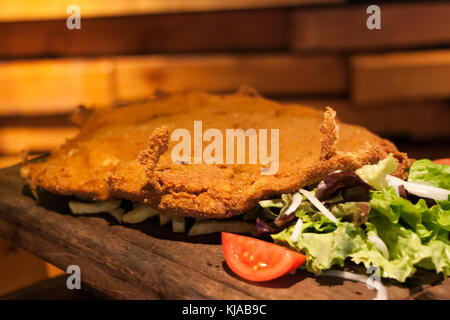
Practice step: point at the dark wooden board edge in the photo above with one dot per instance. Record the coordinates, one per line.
(146, 262)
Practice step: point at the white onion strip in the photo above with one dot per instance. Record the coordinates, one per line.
(296, 201)
(419, 189)
(376, 240)
(297, 230)
(316, 202)
(381, 289)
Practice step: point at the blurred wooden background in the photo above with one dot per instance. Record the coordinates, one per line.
(394, 81)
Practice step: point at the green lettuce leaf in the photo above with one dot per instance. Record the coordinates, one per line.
(426, 222)
(415, 236)
(434, 174)
(441, 212)
(347, 241)
(397, 236)
(375, 175)
(324, 250)
(355, 212)
(269, 205)
(314, 221)
(407, 251)
(394, 207)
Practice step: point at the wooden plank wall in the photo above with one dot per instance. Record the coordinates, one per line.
(394, 81)
(318, 53)
(404, 25)
(56, 9)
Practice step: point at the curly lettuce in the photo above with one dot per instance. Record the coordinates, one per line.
(426, 171)
(414, 234)
(375, 174)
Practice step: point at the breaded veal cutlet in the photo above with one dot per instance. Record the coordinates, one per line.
(125, 153)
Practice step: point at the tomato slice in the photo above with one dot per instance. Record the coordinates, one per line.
(442, 161)
(258, 260)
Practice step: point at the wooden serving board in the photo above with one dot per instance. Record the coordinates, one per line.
(150, 262)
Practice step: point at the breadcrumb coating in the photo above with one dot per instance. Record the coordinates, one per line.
(125, 153)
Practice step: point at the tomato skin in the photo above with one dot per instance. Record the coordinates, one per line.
(445, 161)
(258, 260)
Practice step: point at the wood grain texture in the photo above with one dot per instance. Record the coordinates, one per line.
(8, 161)
(45, 87)
(148, 34)
(344, 28)
(49, 86)
(269, 74)
(56, 9)
(36, 121)
(415, 120)
(404, 76)
(148, 262)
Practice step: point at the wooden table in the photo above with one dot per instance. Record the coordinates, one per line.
(150, 262)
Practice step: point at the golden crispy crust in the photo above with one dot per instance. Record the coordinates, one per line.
(330, 132)
(158, 144)
(113, 157)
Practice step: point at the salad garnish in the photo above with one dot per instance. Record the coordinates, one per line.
(361, 217)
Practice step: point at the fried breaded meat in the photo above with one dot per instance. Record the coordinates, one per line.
(126, 153)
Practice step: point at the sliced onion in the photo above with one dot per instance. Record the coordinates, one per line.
(316, 202)
(381, 289)
(296, 201)
(376, 240)
(419, 189)
(297, 230)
